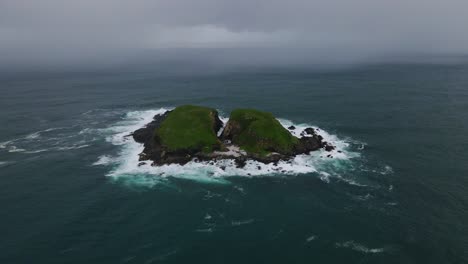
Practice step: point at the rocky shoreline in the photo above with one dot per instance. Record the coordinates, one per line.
(155, 151)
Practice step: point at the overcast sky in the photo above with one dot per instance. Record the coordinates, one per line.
(64, 32)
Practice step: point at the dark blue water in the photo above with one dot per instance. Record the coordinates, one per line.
(400, 197)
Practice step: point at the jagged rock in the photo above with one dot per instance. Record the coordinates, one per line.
(146, 133)
(309, 131)
(328, 147)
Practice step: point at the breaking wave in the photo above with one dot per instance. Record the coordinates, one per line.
(242, 222)
(48, 140)
(359, 247)
(5, 163)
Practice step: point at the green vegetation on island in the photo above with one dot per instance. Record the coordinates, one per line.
(189, 128)
(190, 132)
(259, 132)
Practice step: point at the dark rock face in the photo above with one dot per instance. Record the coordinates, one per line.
(308, 144)
(315, 141)
(328, 147)
(240, 162)
(291, 127)
(309, 131)
(145, 134)
(157, 153)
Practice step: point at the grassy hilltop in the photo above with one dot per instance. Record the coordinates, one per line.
(189, 128)
(258, 132)
(193, 129)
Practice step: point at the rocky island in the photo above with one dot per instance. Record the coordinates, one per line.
(196, 133)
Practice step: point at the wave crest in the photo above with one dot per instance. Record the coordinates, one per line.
(359, 247)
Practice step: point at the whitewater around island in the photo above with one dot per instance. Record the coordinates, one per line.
(126, 165)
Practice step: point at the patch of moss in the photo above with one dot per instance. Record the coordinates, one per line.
(189, 128)
(259, 132)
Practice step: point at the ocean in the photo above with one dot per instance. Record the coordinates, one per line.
(71, 190)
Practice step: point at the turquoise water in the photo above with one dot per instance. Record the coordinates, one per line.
(70, 191)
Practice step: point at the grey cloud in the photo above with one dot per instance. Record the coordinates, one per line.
(60, 32)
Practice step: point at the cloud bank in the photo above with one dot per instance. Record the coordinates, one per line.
(106, 32)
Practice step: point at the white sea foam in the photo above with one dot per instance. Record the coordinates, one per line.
(8, 145)
(242, 222)
(325, 176)
(208, 217)
(240, 189)
(4, 163)
(43, 141)
(387, 170)
(224, 119)
(349, 181)
(310, 238)
(73, 147)
(359, 247)
(4, 144)
(204, 230)
(15, 149)
(33, 135)
(37, 134)
(105, 160)
(363, 197)
(36, 151)
(127, 166)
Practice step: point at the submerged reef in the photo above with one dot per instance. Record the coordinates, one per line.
(196, 133)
